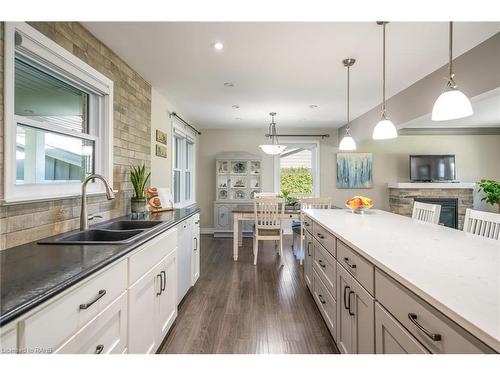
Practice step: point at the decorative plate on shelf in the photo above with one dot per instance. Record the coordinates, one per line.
(222, 194)
(239, 167)
(223, 167)
(239, 194)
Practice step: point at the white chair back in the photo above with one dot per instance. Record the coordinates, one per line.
(260, 195)
(484, 224)
(428, 213)
(268, 212)
(320, 203)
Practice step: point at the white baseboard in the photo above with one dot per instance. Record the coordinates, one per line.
(207, 230)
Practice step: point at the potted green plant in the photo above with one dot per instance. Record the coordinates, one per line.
(491, 190)
(139, 177)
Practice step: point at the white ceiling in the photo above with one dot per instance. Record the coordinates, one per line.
(282, 67)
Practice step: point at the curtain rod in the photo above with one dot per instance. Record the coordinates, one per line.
(185, 122)
(301, 135)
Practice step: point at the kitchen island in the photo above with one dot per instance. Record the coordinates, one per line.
(453, 274)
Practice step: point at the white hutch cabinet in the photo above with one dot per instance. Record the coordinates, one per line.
(237, 179)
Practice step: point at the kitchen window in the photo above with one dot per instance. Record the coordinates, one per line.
(184, 165)
(59, 118)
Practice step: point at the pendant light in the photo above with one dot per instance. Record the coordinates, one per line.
(347, 143)
(274, 148)
(384, 129)
(452, 103)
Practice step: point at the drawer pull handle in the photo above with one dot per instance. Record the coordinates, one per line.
(349, 299)
(98, 349)
(323, 265)
(164, 278)
(85, 306)
(320, 235)
(346, 260)
(345, 295)
(320, 297)
(306, 224)
(309, 248)
(432, 336)
(197, 222)
(196, 247)
(161, 284)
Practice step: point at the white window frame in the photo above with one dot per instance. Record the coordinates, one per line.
(315, 165)
(36, 47)
(187, 135)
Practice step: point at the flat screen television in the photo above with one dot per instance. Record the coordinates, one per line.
(432, 167)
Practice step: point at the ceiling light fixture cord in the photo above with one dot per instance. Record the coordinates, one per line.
(348, 92)
(451, 81)
(383, 72)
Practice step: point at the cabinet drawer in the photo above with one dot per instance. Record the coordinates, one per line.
(50, 327)
(106, 333)
(154, 251)
(326, 303)
(356, 265)
(392, 337)
(308, 224)
(8, 339)
(325, 238)
(325, 265)
(400, 302)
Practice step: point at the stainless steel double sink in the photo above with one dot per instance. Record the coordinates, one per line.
(116, 232)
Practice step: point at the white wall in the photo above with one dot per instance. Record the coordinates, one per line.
(476, 157)
(161, 168)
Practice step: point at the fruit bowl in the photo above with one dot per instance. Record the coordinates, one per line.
(359, 204)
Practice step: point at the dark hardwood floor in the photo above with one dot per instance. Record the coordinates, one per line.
(236, 307)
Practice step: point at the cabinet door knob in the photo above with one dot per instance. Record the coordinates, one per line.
(432, 336)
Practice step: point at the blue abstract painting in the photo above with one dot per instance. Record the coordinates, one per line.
(354, 170)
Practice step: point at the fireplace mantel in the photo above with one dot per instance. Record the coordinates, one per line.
(432, 185)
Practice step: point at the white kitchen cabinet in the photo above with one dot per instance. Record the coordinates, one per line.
(153, 306)
(195, 261)
(8, 339)
(392, 337)
(355, 315)
(105, 334)
(308, 259)
(185, 256)
(142, 296)
(166, 301)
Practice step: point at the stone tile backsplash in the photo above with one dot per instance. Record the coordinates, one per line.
(26, 222)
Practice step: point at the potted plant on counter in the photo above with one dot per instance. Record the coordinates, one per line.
(491, 190)
(139, 178)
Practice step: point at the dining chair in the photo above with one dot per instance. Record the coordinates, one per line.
(484, 224)
(269, 212)
(426, 212)
(260, 195)
(305, 203)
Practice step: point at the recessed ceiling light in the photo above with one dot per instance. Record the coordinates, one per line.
(313, 106)
(218, 46)
(238, 118)
(235, 106)
(228, 84)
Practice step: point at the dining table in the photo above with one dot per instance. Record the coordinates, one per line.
(246, 212)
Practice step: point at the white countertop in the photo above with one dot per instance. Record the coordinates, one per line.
(456, 272)
(432, 185)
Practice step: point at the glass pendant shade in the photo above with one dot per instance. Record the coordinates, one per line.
(451, 105)
(385, 129)
(347, 143)
(272, 149)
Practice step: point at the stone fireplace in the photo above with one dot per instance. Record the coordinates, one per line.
(454, 198)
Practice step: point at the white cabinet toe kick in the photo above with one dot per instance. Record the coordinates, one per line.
(367, 310)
